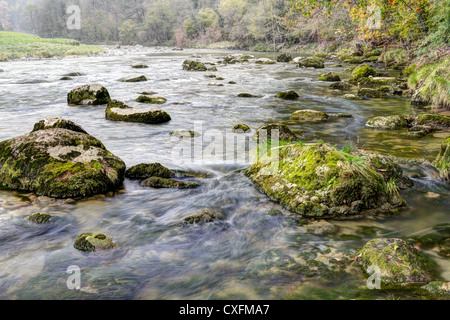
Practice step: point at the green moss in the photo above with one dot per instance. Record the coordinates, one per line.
(157, 183)
(135, 79)
(88, 242)
(309, 115)
(144, 171)
(313, 62)
(342, 85)
(241, 128)
(442, 161)
(246, 95)
(400, 263)
(363, 71)
(40, 217)
(284, 133)
(90, 94)
(330, 76)
(284, 57)
(322, 55)
(434, 120)
(287, 95)
(154, 100)
(388, 122)
(194, 66)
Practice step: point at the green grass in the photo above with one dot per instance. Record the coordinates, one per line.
(15, 45)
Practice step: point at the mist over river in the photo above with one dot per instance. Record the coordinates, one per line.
(249, 253)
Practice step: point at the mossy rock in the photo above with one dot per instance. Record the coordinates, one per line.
(330, 76)
(73, 74)
(134, 79)
(363, 71)
(57, 122)
(437, 288)
(58, 162)
(40, 218)
(215, 84)
(190, 65)
(184, 133)
(352, 97)
(353, 60)
(118, 111)
(158, 183)
(241, 128)
(65, 78)
(246, 95)
(287, 95)
(341, 85)
(433, 120)
(202, 217)
(212, 69)
(88, 242)
(371, 93)
(144, 171)
(236, 58)
(307, 114)
(264, 61)
(89, 94)
(375, 82)
(139, 66)
(220, 78)
(265, 132)
(322, 55)
(442, 161)
(284, 57)
(313, 62)
(418, 100)
(152, 100)
(388, 122)
(317, 180)
(401, 265)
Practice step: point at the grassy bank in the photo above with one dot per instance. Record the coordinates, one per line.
(15, 45)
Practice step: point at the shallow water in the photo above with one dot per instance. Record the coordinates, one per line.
(230, 258)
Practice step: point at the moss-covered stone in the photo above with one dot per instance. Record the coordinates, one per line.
(353, 60)
(65, 78)
(88, 242)
(40, 217)
(73, 74)
(388, 122)
(246, 95)
(375, 82)
(433, 120)
(134, 79)
(363, 71)
(352, 97)
(201, 217)
(152, 100)
(284, 57)
(371, 93)
(241, 128)
(341, 85)
(264, 61)
(118, 111)
(266, 131)
(287, 95)
(401, 265)
(157, 183)
(418, 100)
(57, 122)
(442, 161)
(322, 55)
(139, 65)
(190, 65)
(236, 58)
(89, 94)
(184, 133)
(330, 76)
(317, 180)
(59, 162)
(144, 171)
(312, 62)
(309, 115)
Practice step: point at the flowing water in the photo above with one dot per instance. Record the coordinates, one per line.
(230, 258)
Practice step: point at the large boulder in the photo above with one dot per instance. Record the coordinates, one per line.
(317, 180)
(312, 62)
(119, 111)
(330, 76)
(59, 159)
(363, 71)
(88, 94)
(442, 161)
(433, 120)
(398, 262)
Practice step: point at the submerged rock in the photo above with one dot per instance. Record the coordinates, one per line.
(73, 74)
(89, 94)
(309, 115)
(330, 76)
(134, 79)
(342, 85)
(314, 62)
(190, 65)
(399, 263)
(246, 95)
(40, 217)
(352, 97)
(433, 120)
(157, 183)
(201, 217)
(442, 161)
(119, 111)
(144, 171)
(59, 161)
(264, 61)
(184, 133)
(287, 95)
(388, 122)
(241, 128)
(371, 93)
(265, 132)
(88, 242)
(139, 65)
(317, 180)
(65, 78)
(153, 100)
